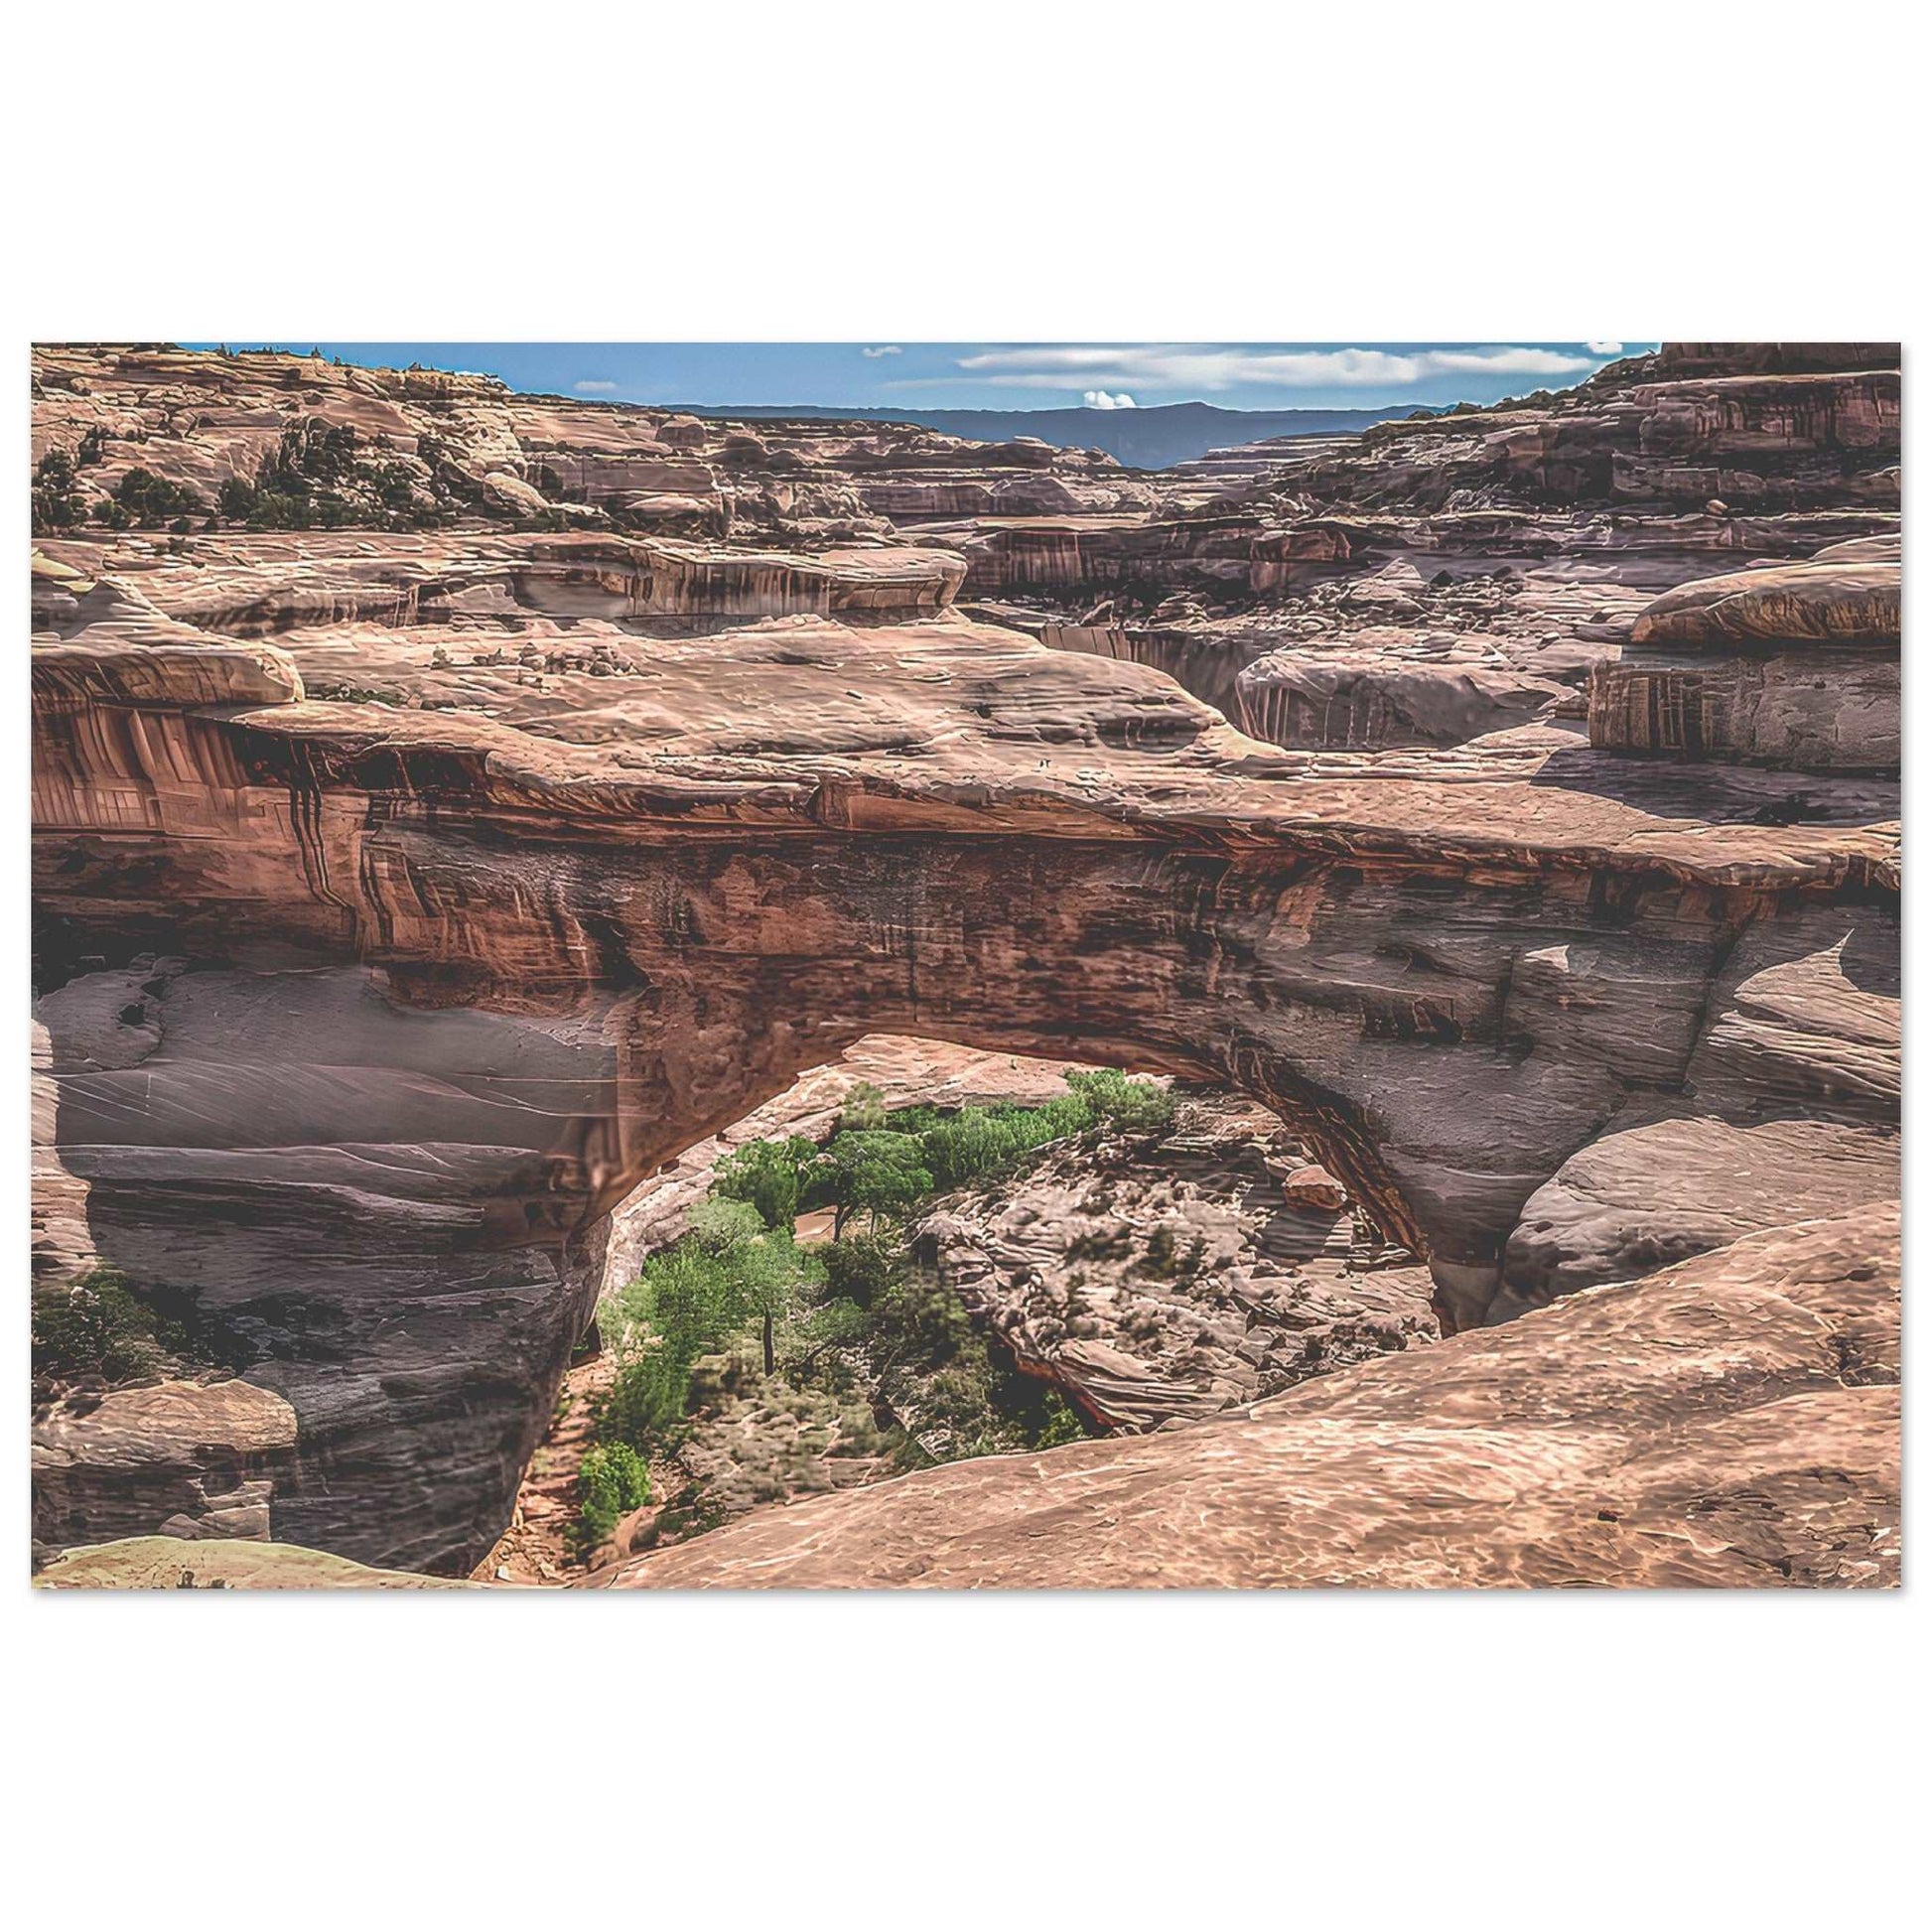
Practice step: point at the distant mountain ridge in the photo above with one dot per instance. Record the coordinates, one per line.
(1142, 439)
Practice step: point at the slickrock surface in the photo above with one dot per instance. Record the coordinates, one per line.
(164, 1563)
(405, 896)
(1732, 1420)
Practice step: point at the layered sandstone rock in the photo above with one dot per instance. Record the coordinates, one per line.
(1796, 666)
(1523, 542)
(431, 443)
(106, 1465)
(1370, 700)
(1172, 1280)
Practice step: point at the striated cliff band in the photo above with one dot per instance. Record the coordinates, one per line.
(451, 807)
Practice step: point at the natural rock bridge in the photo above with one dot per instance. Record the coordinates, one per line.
(359, 1020)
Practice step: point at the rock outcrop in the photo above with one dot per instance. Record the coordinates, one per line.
(1730, 1421)
(406, 898)
(163, 1563)
(1175, 1279)
(1795, 666)
(1438, 579)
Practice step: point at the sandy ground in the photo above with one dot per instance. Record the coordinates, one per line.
(533, 1550)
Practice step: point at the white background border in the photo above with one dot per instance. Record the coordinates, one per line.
(1005, 172)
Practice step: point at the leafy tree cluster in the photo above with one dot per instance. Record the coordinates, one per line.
(768, 1175)
(729, 1274)
(885, 1164)
(144, 500)
(741, 1272)
(307, 480)
(140, 501)
(319, 476)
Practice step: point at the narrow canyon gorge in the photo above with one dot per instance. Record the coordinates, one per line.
(461, 818)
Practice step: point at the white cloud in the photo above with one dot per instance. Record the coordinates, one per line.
(1605, 349)
(1200, 368)
(1100, 399)
(598, 388)
(885, 348)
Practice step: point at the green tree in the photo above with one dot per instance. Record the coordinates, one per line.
(770, 1175)
(730, 1273)
(57, 500)
(882, 1172)
(611, 1480)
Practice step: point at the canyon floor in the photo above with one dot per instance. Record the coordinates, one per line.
(466, 822)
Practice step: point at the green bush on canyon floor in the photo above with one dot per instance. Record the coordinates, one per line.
(611, 1480)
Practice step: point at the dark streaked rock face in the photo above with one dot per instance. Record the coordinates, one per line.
(1796, 666)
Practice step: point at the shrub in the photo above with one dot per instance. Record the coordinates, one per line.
(96, 1330)
(918, 1321)
(150, 500)
(720, 1224)
(864, 1110)
(861, 1268)
(395, 486)
(611, 1480)
(237, 501)
(1127, 1106)
(56, 502)
(1060, 1422)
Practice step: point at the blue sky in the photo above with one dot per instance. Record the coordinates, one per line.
(1010, 375)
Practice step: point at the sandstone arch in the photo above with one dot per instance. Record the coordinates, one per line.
(360, 1022)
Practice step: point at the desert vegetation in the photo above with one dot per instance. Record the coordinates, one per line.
(848, 1350)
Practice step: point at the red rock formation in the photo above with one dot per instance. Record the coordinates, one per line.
(1733, 1421)
(1795, 666)
(380, 962)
